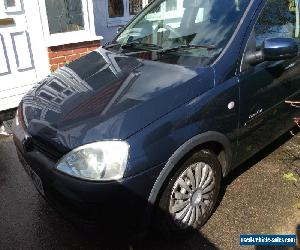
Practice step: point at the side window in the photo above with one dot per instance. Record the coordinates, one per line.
(279, 18)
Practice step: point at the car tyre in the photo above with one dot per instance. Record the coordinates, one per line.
(190, 195)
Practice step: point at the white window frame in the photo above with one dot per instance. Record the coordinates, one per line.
(117, 21)
(167, 15)
(88, 34)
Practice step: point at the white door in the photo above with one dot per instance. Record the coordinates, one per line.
(23, 55)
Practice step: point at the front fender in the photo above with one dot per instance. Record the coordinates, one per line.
(210, 136)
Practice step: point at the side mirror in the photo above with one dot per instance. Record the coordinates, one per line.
(274, 49)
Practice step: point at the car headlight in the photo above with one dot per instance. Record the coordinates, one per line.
(97, 161)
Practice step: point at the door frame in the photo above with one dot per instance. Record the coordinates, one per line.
(37, 39)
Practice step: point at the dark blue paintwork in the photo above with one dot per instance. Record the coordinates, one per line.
(162, 107)
(277, 48)
(116, 107)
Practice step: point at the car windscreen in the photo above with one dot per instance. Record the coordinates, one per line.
(183, 28)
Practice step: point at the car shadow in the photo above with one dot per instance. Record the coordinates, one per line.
(30, 222)
(73, 235)
(150, 239)
(49, 231)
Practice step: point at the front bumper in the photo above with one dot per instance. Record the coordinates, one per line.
(112, 205)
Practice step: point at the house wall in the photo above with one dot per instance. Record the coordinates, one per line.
(60, 55)
(48, 52)
(101, 25)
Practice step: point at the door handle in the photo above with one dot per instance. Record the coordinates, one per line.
(6, 21)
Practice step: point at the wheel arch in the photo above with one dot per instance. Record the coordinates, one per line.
(212, 140)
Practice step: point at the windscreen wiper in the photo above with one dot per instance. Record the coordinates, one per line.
(141, 45)
(159, 48)
(111, 45)
(135, 44)
(188, 46)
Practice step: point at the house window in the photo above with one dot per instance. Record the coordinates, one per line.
(135, 6)
(67, 21)
(170, 11)
(64, 15)
(121, 11)
(115, 8)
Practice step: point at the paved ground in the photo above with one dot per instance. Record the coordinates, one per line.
(257, 199)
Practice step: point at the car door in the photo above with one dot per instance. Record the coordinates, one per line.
(265, 87)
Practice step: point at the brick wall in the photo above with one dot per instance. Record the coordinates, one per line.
(60, 55)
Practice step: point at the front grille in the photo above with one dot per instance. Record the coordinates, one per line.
(47, 150)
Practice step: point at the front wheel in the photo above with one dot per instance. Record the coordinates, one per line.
(191, 194)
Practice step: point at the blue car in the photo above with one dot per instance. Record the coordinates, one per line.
(142, 131)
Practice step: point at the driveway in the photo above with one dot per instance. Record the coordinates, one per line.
(256, 199)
